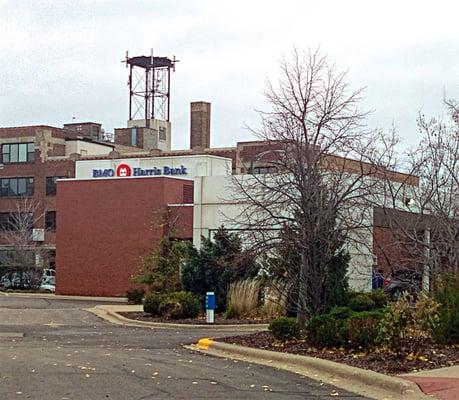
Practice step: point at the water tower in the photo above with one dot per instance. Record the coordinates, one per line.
(149, 92)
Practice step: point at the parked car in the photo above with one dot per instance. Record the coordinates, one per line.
(21, 280)
(48, 284)
(403, 281)
(49, 272)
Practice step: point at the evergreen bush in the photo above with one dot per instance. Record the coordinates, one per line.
(284, 328)
(361, 302)
(217, 264)
(380, 298)
(151, 303)
(327, 330)
(363, 329)
(189, 304)
(447, 329)
(135, 295)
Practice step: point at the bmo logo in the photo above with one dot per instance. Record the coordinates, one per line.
(123, 170)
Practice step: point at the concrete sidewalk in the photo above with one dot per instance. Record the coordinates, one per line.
(442, 383)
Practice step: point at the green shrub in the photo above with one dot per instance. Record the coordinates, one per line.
(135, 295)
(215, 265)
(189, 303)
(363, 329)
(447, 329)
(284, 328)
(171, 309)
(151, 303)
(327, 330)
(340, 312)
(175, 305)
(232, 313)
(361, 302)
(342, 327)
(380, 298)
(406, 324)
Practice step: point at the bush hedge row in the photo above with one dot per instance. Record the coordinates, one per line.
(343, 327)
(174, 305)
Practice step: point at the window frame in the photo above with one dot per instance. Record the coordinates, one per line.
(7, 226)
(29, 186)
(51, 190)
(27, 149)
(51, 220)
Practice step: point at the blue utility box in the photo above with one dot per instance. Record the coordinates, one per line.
(210, 301)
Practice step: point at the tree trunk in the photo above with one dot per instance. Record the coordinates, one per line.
(302, 298)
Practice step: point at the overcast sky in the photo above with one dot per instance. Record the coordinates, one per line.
(62, 59)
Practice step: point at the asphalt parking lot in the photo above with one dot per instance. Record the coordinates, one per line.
(54, 349)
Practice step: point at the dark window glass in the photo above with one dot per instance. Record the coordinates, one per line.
(51, 185)
(13, 221)
(29, 186)
(4, 187)
(30, 152)
(6, 153)
(5, 222)
(16, 187)
(50, 220)
(263, 170)
(17, 259)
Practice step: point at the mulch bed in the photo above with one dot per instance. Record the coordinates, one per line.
(432, 355)
(219, 320)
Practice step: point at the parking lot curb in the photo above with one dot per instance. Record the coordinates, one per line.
(111, 314)
(364, 382)
(51, 296)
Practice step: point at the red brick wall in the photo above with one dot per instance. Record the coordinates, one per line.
(394, 250)
(106, 226)
(123, 136)
(200, 124)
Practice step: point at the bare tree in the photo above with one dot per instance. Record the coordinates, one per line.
(322, 192)
(429, 234)
(22, 256)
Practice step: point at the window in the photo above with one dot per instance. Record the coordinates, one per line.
(134, 137)
(50, 220)
(95, 132)
(50, 261)
(15, 259)
(263, 170)
(18, 153)
(51, 184)
(162, 133)
(5, 224)
(13, 221)
(16, 187)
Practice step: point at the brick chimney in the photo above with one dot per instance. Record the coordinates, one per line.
(200, 125)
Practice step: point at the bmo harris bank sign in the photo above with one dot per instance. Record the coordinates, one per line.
(125, 170)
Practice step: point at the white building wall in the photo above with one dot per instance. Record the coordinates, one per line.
(86, 148)
(196, 165)
(213, 207)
